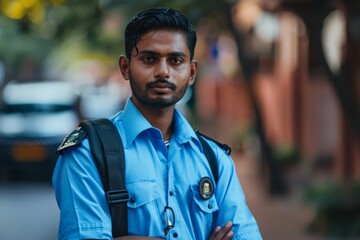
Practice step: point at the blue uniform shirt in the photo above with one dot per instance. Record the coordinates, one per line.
(155, 177)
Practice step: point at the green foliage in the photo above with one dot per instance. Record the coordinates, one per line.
(287, 155)
(15, 45)
(337, 209)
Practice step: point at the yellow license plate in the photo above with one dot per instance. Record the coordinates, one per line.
(29, 153)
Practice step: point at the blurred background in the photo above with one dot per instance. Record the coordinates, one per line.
(279, 82)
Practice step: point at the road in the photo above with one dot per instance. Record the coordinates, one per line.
(28, 210)
(279, 218)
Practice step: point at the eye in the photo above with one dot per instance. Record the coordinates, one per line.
(177, 61)
(148, 59)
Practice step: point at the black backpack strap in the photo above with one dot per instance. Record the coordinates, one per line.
(209, 153)
(108, 152)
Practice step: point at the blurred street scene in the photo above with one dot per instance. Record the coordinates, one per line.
(279, 82)
(28, 211)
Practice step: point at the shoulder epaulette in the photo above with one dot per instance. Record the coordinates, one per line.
(223, 146)
(71, 140)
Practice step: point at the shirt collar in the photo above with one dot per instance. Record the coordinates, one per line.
(137, 123)
(134, 122)
(183, 132)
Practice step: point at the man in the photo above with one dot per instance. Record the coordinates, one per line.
(170, 183)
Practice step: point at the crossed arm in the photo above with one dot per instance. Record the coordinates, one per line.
(219, 233)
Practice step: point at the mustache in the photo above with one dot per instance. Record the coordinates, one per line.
(163, 82)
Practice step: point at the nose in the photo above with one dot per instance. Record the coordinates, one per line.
(162, 70)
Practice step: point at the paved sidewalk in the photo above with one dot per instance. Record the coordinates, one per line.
(279, 218)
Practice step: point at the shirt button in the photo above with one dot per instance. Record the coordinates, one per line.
(175, 235)
(171, 193)
(132, 200)
(209, 206)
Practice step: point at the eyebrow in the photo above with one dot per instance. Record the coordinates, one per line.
(172, 54)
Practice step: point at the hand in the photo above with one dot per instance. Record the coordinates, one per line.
(222, 233)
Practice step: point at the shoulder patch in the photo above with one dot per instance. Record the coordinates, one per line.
(72, 139)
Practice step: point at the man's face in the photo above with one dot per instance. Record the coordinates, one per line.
(161, 70)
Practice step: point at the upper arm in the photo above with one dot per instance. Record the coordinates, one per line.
(78, 190)
(232, 201)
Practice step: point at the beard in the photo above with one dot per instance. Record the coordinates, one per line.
(143, 93)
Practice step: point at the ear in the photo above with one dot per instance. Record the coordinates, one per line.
(124, 67)
(193, 71)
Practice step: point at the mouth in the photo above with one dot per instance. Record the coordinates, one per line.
(161, 86)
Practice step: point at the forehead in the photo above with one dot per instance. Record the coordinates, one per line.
(163, 40)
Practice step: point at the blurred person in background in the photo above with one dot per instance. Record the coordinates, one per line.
(167, 173)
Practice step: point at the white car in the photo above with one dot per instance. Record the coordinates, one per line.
(34, 119)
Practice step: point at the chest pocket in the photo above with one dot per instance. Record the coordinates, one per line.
(202, 212)
(141, 193)
(143, 206)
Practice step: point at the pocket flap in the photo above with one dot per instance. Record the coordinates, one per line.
(140, 193)
(208, 206)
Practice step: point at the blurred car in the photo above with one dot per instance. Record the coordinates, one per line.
(34, 119)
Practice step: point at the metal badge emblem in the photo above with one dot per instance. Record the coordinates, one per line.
(72, 139)
(206, 188)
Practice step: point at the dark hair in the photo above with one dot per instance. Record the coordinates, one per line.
(157, 18)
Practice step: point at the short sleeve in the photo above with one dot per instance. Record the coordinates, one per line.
(231, 200)
(84, 213)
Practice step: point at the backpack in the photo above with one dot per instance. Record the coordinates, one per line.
(107, 149)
